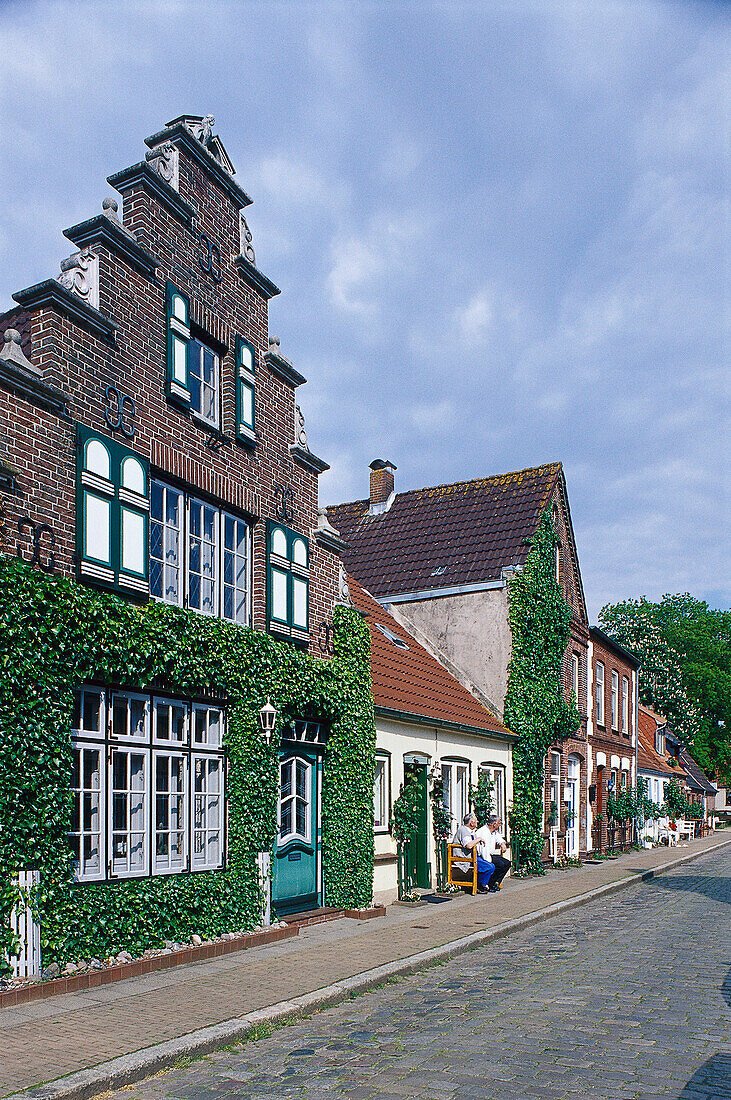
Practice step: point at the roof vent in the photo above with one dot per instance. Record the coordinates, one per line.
(382, 485)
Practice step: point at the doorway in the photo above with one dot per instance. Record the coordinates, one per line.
(572, 798)
(417, 853)
(296, 878)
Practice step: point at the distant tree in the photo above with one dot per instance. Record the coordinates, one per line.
(684, 647)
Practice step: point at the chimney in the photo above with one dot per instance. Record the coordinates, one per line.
(382, 485)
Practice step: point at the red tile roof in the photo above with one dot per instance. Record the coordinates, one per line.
(647, 758)
(445, 535)
(410, 681)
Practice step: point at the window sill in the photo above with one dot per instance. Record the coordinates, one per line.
(204, 422)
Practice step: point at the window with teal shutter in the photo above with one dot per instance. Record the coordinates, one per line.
(112, 510)
(288, 582)
(245, 391)
(178, 339)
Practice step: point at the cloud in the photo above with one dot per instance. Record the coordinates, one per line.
(364, 266)
(473, 319)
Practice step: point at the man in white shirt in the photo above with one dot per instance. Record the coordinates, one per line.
(493, 847)
(466, 837)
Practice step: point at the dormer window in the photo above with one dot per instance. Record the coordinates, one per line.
(660, 742)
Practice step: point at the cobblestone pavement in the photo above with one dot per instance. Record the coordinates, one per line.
(628, 998)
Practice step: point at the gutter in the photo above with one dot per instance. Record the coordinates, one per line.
(435, 593)
(439, 723)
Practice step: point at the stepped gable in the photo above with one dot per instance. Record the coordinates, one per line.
(447, 535)
(409, 681)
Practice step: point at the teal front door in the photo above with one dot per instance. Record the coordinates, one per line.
(296, 880)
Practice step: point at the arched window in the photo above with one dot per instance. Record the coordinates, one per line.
(288, 581)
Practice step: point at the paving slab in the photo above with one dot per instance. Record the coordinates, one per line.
(116, 1033)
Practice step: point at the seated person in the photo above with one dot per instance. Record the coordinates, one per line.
(465, 837)
(496, 852)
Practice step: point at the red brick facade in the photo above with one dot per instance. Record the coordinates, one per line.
(81, 351)
(576, 747)
(613, 730)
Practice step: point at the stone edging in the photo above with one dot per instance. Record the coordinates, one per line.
(130, 1068)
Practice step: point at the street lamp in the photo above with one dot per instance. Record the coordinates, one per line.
(267, 720)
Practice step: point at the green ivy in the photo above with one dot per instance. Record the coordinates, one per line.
(535, 707)
(481, 797)
(56, 635)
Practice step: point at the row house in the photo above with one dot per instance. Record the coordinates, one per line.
(441, 559)
(427, 724)
(152, 447)
(612, 721)
(662, 757)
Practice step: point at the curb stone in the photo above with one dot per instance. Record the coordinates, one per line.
(130, 1068)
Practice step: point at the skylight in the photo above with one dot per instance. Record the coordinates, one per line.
(393, 638)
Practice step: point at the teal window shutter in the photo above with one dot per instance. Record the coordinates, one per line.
(288, 582)
(245, 391)
(177, 321)
(112, 513)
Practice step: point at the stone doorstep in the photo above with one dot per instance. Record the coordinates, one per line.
(91, 979)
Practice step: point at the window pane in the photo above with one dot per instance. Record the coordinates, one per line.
(133, 475)
(97, 520)
(133, 541)
(96, 459)
(156, 500)
(299, 613)
(279, 542)
(299, 552)
(247, 405)
(285, 778)
(279, 595)
(302, 770)
(301, 817)
(285, 819)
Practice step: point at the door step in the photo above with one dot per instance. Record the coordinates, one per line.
(314, 916)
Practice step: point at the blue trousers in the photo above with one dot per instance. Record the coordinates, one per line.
(484, 871)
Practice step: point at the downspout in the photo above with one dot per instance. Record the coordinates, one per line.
(635, 716)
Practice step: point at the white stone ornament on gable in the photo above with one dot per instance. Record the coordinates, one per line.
(80, 274)
(12, 351)
(165, 160)
(300, 433)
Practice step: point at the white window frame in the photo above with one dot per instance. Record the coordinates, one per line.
(196, 350)
(169, 867)
(220, 554)
(381, 799)
(625, 705)
(85, 821)
(496, 772)
(128, 749)
(456, 789)
(615, 699)
(575, 676)
(293, 798)
(208, 799)
(167, 529)
(554, 787)
(599, 693)
(152, 748)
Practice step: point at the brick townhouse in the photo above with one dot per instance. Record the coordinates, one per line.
(441, 558)
(152, 447)
(613, 704)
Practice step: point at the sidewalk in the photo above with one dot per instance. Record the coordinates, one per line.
(150, 1015)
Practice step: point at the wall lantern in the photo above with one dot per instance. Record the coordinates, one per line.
(267, 720)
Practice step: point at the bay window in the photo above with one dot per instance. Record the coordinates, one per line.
(148, 785)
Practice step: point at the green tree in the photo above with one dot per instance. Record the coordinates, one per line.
(685, 650)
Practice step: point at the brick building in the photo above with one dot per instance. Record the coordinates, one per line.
(152, 447)
(441, 558)
(613, 704)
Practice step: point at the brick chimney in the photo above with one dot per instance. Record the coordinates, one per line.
(382, 485)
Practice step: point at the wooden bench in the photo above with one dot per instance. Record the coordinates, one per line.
(456, 874)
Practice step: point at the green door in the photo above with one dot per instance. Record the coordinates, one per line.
(417, 853)
(296, 877)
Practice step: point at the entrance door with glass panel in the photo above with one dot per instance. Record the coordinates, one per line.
(572, 792)
(296, 884)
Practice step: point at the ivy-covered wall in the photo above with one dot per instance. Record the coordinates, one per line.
(56, 635)
(535, 707)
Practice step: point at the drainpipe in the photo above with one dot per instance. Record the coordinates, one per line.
(636, 713)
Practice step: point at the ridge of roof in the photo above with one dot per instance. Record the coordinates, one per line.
(491, 479)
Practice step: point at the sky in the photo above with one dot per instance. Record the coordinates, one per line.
(499, 228)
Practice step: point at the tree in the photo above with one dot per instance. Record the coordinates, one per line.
(684, 647)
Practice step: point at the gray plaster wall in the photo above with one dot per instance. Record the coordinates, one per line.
(473, 631)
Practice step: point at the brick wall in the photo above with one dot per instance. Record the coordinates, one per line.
(38, 445)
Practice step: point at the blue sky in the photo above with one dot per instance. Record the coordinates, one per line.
(498, 229)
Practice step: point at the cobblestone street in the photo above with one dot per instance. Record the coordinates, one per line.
(624, 999)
